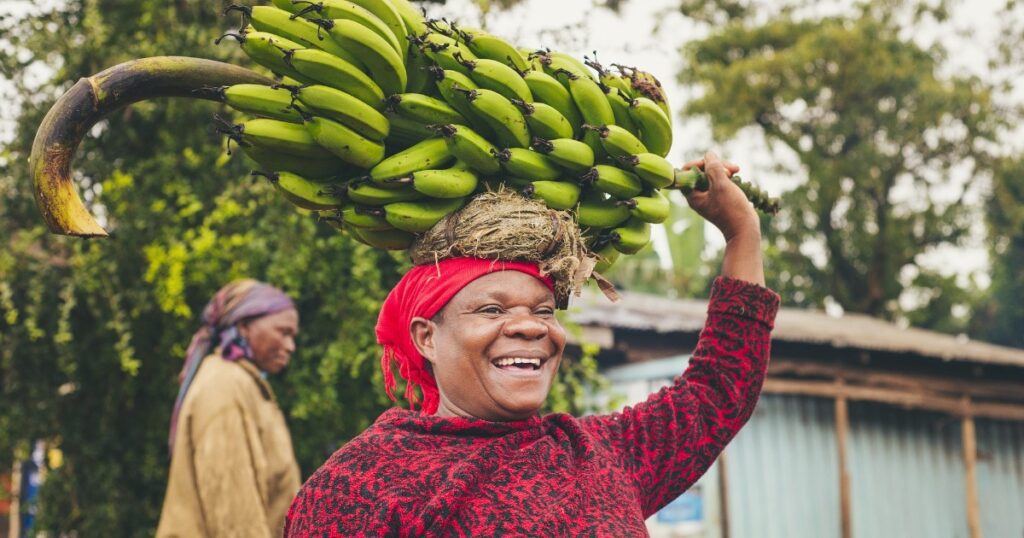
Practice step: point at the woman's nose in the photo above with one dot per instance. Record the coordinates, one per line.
(526, 326)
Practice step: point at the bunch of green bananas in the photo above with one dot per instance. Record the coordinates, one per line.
(385, 122)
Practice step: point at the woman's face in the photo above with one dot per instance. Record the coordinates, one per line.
(494, 348)
(272, 339)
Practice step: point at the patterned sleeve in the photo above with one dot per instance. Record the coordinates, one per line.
(667, 442)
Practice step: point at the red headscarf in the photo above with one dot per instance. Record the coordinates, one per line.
(423, 292)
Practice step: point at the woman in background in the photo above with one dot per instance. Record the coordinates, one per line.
(233, 470)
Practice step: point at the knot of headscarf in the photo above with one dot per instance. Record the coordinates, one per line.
(238, 301)
(423, 292)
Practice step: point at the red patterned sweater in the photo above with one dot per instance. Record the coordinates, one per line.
(416, 475)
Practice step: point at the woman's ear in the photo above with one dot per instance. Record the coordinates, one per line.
(243, 329)
(422, 332)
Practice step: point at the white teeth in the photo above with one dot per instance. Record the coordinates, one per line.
(517, 360)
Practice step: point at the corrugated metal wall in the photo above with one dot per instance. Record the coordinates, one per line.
(907, 476)
(1001, 478)
(782, 471)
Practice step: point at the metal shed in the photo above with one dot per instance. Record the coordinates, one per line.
(864, 428)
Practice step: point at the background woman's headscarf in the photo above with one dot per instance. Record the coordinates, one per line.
(423, 292)
(238, 301)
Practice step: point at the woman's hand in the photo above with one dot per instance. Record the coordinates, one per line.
(725, 206)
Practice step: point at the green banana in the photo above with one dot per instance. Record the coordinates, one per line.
(573, 155)
(444, 51)
(614, 181)
(406, 133)
(329, 70)
(454, 182)
(620, 107)
(424, 109)
(645, 84)
(606, 258)
(279, 22)
(283, 137)
(528, 164)
(309, 167)
(611, 80)
(618, 142)
(369, 194)
(590, 100)
(497, 76)
(593, 140)
(448, 84)
(384, 64)
(367, 218)
(287, 5)
(501, 116)
(421, 215)
(345, 109)
(654, 169)
(559, 195)
(471, 148)
(491, 47)
(653, 209)
(561, 66)
(548, 90)
(544, 121)
(390, 30)
(268, 50)
(600, 212)
(266, 101)
(303, 192)
(391, 239)
(425, 155)
(344, 142)
(629, 238)
(655, 127)
(411, 15)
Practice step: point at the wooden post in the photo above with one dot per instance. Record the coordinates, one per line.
(970, 462)
(842, 429)
(723, 494)
(14, 531)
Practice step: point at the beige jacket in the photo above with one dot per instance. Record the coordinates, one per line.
(233, 471)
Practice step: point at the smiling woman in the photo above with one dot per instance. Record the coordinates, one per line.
(478, 345)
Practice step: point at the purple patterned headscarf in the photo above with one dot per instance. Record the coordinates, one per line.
(238, 301)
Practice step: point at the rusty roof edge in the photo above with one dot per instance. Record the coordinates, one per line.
(645, 312)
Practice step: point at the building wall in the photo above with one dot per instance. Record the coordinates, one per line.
(907, 476)
(906, 467)
(1001, 477)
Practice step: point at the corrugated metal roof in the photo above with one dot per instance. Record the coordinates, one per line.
(663, 315)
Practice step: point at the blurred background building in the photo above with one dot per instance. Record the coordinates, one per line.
(864, 428)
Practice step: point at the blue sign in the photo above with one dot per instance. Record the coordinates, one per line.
(687, 508)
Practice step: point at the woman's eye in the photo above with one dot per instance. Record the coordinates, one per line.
(491, 310)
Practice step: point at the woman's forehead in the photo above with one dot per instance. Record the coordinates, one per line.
(505, 286)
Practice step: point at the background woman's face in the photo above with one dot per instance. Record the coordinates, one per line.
(272, 339)
(494, 348)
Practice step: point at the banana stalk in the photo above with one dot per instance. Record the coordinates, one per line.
(93, 98)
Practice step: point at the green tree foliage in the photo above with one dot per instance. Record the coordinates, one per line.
(1002, 312)
(93, 332)
(878, 133)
